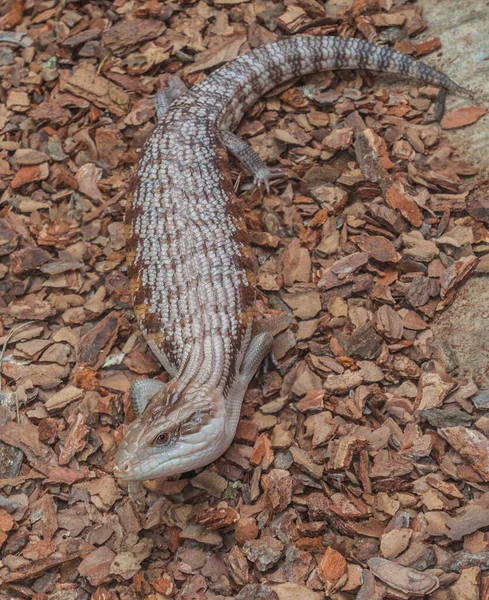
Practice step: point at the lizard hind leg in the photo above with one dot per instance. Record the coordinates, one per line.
(241, 149)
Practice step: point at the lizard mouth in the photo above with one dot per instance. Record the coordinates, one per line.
(123, 465)
(126, 470)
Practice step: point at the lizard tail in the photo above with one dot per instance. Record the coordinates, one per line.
(244, 80)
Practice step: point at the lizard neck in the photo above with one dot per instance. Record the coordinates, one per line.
(214, 362)
(206, 363)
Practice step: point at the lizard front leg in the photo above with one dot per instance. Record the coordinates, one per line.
(163, 100)
(141, 392)
(260, 347)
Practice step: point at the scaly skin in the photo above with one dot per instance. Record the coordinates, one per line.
(190, 262)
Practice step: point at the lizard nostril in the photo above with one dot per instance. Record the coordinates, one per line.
(126, 467)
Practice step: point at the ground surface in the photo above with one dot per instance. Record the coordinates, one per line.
(462, 26)
(360, 465)
(463, 331)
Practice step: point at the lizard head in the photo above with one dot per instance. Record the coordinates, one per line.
(179, 430)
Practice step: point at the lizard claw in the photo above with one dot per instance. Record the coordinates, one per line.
(265, 175)
(269, 363)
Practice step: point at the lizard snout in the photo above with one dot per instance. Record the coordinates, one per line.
(123, 465)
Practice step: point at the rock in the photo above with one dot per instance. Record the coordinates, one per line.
(305, 380)
(467, 587)
(29, 174)
(296, 262)
(445, 418)
(379, 247)
(406, 580)
(394, 542)
(264, 553)
(389, 323)
(331, 198)
(330, 241)
(331, 568)
(278, 494)
(210, 482)
(283, 343)
(338, 139)
(462, 117)
(472, 445)
(292, 591)
(96, 566)
(341, 384)
(304, 461)
(164, 585)
(28, 156)
(371, 372)
(457, 237)
(417, 248)
(481, 399)
(246, 529)
(343, 270)
(364, 342)
(305, 305)
(257, 591)
(432, 390)
(247, 431)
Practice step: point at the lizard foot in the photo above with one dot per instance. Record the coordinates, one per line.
(269, 364)
(266, 174)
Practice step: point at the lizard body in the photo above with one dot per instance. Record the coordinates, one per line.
(189, 257)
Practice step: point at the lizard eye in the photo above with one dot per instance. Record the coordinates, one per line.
(162, 439)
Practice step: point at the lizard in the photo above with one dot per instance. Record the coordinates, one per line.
(189, 257)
